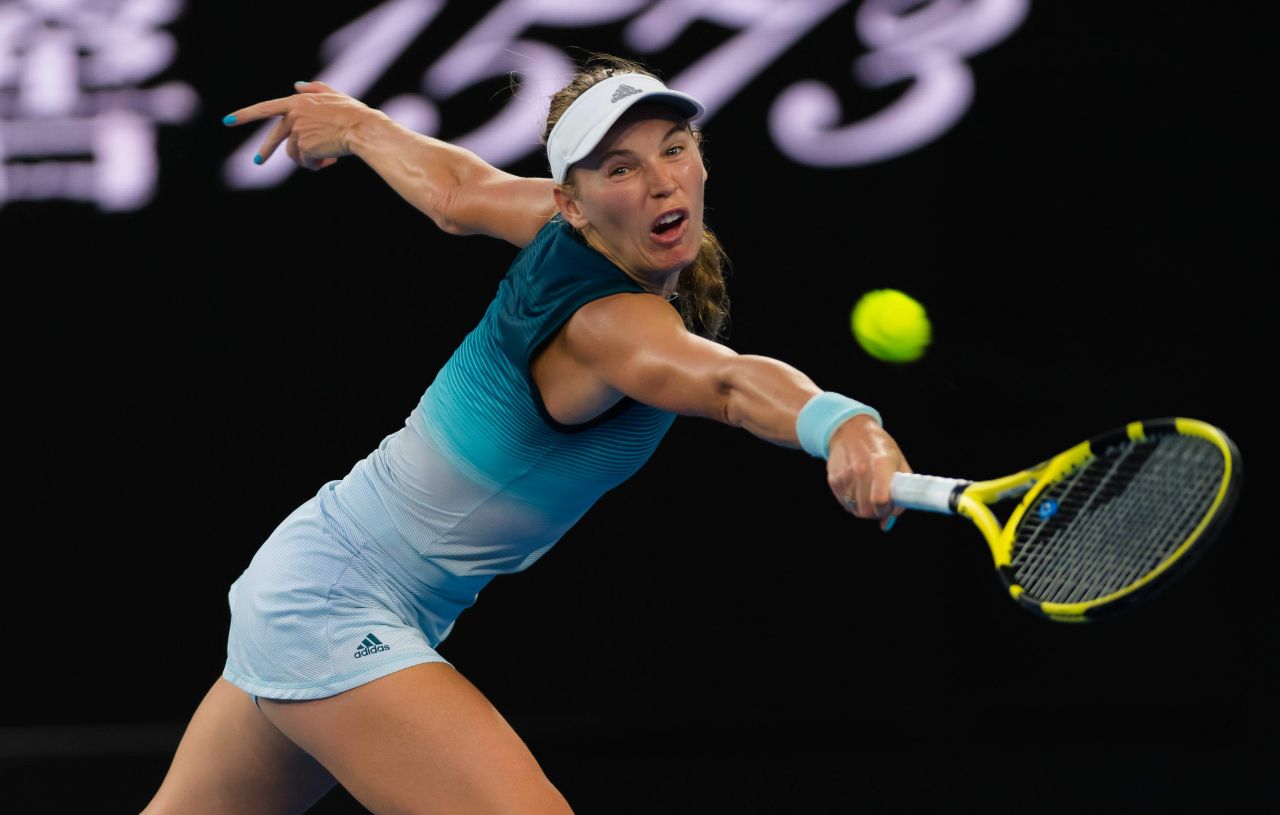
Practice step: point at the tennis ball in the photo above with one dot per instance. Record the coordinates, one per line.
(891, 326)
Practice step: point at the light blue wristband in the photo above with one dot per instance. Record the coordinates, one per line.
(820, 417)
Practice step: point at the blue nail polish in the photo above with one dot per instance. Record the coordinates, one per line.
(257, 159)
(302, 82)
(229, 119)
(889, 525)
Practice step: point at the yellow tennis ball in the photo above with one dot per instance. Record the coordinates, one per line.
(891, 326)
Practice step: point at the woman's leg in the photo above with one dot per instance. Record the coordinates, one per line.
(420, 740)
(232, 759)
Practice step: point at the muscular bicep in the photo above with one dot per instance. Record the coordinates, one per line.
(638, 345)
(489, 201)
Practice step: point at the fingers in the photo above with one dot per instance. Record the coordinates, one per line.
(891, 517)
(864, 484)
(869, 509)
(888, 523)
(294, 152)
(265, 110)
(273, 107)
(283, 132)
(866, 491)
(314, 86)
(874, 497)
(278, 134)
(258, 112)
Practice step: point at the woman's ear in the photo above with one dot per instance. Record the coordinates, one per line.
(568, 206)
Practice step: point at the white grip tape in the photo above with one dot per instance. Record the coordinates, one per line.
(928, 492)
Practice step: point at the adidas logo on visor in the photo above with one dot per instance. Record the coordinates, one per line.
(623, 92)
(370, 645)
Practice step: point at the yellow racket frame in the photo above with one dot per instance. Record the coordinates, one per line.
(974, 502)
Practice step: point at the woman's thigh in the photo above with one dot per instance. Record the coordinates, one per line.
(420, 740)
(232, 759)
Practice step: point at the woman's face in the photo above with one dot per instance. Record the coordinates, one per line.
(638, 196)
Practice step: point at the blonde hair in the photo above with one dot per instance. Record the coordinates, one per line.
(703, 300)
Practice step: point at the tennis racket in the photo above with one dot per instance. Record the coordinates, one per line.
(1102, 526)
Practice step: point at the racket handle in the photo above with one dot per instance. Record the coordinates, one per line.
(930, 493)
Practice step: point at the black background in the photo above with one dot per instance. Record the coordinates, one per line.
(184, 376)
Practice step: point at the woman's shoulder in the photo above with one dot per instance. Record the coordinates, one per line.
(559, 252)
(544, 240)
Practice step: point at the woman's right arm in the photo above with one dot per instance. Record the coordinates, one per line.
(637, 345)
(455, 188)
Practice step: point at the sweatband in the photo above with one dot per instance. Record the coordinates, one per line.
(821, 415)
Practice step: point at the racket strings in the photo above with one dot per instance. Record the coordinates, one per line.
(1117, 518)
(1093, 567)
(1057, 564)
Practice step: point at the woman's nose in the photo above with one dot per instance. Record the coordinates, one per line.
(663, 180)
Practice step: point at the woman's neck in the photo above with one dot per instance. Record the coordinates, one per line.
(664, 288)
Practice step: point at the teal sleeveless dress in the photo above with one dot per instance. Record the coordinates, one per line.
(369, 575)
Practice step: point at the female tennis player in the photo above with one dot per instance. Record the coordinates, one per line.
(601, 332)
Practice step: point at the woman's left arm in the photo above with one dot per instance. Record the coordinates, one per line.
(459, 191)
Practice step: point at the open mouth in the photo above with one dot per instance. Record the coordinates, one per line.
(670, 224)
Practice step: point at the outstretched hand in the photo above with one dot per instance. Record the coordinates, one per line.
(315, 124)
(861, 462)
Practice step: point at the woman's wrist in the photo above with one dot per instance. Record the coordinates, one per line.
(822, 415)
(367, 132)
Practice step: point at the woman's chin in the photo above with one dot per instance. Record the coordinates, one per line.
(679, 253)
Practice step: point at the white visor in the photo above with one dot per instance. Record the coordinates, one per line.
(589, 118)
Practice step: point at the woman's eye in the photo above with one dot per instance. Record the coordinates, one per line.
(618, 171)
(674, 149)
